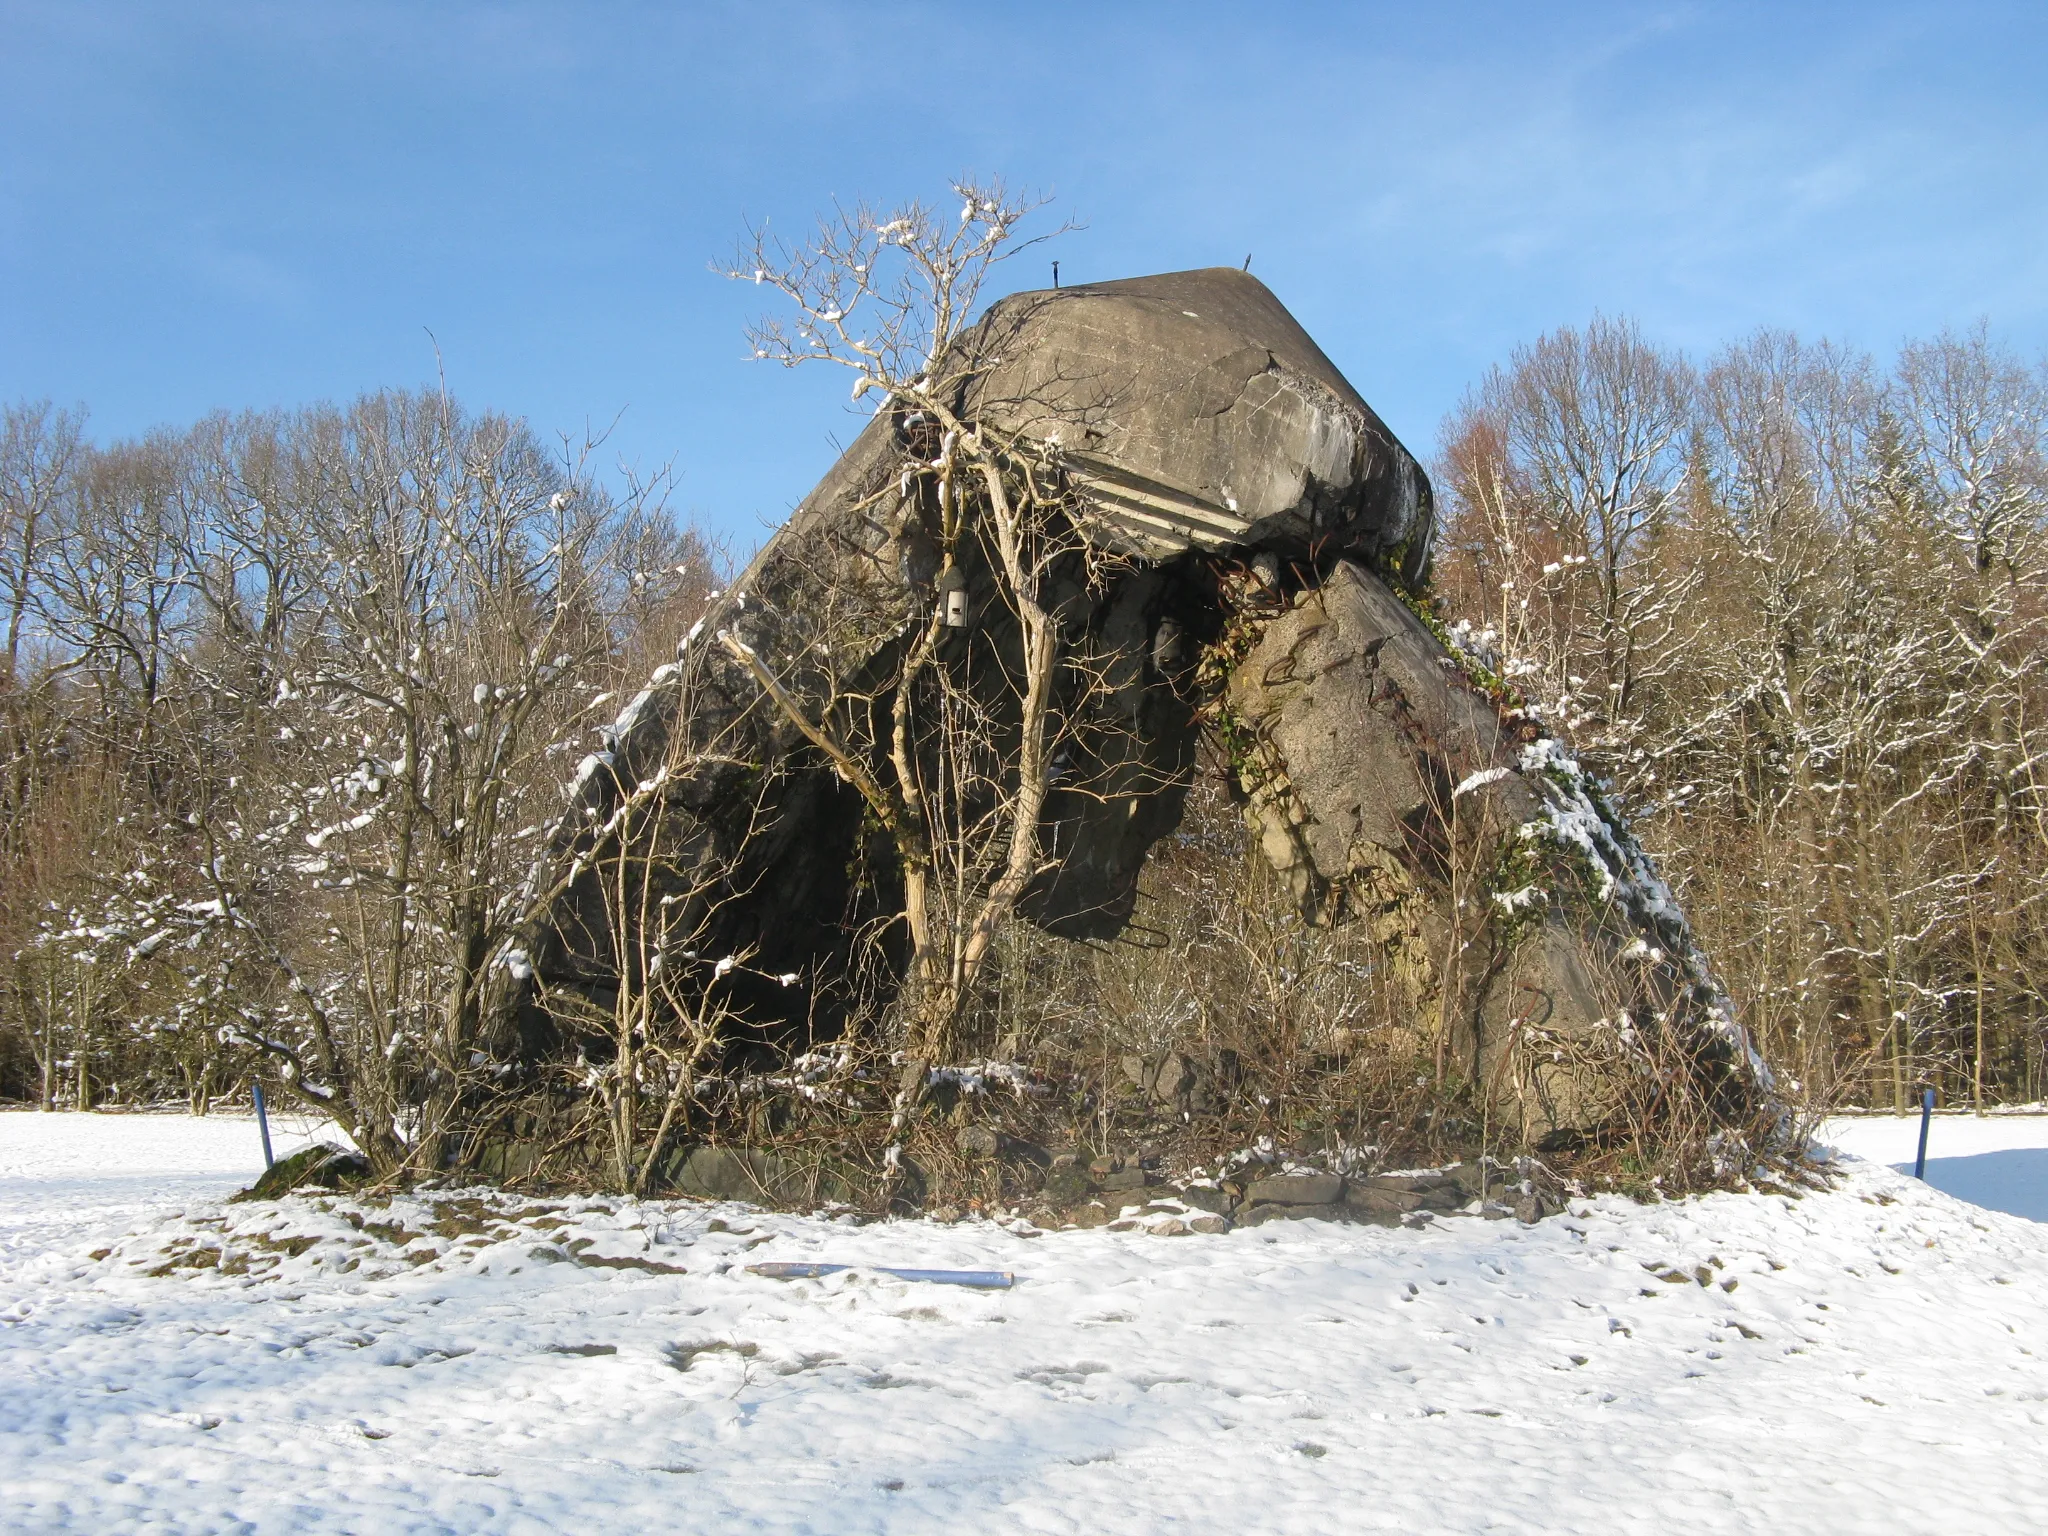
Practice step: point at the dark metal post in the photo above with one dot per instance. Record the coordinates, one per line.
(263, 1124)
(1926, 1115)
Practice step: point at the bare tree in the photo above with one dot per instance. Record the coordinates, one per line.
(954, 750)
(41, 451)
(381, 853)
(646, 1045)
(1572, 460)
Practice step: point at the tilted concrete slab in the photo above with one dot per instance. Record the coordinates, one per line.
(1197, 413)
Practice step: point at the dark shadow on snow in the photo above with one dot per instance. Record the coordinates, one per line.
(2014, 1181)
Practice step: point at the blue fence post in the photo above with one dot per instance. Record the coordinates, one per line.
(263, 1125)
(1926, 1116)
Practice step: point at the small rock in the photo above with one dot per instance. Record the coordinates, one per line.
(1068, 1185)
(1168, 1078)
(1015, 1149)
(1467, 1178)
(1129, 1178)
(733, 1173)
(1532, 1208)
(1411, 1191)
(1376, 1217)
(1173, 1226)
(1373, 1199)
(1408, 1183)
(981, 1141)
(1213, 1224)
(1334, 1211)
(987, 1141)
(1297, 1189)
(1093, 1214)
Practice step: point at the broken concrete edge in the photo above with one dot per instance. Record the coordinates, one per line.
(1566, 871)
(1579, 820)
(1147, 385)
(1644, 895)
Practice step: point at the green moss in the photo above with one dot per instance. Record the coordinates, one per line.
(1390, 564)
(1504, 694)
(323, 1165)
(1519, 863)
(1239, 744)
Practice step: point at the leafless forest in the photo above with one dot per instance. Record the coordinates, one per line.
(289, 702)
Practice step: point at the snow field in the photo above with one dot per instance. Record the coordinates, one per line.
(1997, 1160)
(1867, 1359)
(65, 1172)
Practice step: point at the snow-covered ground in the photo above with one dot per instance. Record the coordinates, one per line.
(1999, 1160)
(1870, 1359)
(66, 1174)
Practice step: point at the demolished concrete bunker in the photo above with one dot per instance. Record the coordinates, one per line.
(1277, 537)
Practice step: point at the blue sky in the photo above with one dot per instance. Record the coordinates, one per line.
(208, 205)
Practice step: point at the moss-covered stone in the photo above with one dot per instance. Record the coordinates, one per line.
(322, 1166)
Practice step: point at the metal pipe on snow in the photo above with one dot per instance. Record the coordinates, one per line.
(1926, 1117)
(262, 1123)
(979, 1279)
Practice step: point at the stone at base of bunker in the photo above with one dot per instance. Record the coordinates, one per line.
(1217, 1202)
(1259, 1214)
(758, 1178)
(507, 1161)
(1297, 1189)
(1390, 1199)
(1068, 1185)
(992, 1145)
(320, 1166)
